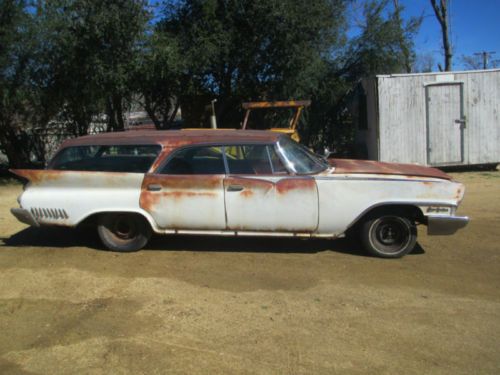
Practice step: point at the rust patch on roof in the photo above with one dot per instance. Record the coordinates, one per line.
(174, 138)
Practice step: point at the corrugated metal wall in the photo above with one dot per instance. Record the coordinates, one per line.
(403, 117)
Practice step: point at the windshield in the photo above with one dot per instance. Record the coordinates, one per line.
(299, 158)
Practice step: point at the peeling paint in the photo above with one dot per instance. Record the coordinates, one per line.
(350, 166)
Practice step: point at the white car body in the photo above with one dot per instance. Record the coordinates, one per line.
(323, 204)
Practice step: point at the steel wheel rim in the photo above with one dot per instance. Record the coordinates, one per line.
(124, 228)
(392, 233)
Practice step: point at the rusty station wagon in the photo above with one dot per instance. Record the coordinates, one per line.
(234, 182)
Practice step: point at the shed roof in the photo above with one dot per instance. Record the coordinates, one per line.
(437, 73)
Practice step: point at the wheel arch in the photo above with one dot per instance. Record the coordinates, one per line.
(92, 218)
(407, 209)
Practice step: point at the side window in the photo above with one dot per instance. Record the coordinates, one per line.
(196, 160)
(248, 159)
(277, 164)
(112, 158)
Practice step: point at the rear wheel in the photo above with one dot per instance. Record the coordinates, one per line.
(123, 232)
(389, 235)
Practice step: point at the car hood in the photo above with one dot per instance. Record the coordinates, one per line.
(351, 166)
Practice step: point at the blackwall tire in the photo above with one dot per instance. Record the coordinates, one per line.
(123, 232)
(389, 236)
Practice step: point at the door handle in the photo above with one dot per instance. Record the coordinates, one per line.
(154, 187)
(235, 188)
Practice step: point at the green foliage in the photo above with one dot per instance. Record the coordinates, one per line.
(79, 61)
(265, 49)
(19, 102)
(158, 78)
(97, 46)
(384, 44)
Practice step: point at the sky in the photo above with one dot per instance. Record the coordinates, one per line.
(475, 27)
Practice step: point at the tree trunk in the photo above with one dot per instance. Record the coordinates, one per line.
(441, 12)
(173, 114)
(16, 149)
(404, 49)
(115, 114)
(151, 112)
(118, 109)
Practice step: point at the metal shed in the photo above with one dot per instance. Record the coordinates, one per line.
(439, 119)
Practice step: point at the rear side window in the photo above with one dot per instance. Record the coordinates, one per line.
(112, 158)
(248, 159)
(196, 160)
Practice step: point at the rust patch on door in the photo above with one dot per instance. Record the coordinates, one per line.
(177, 187)
(289, 184)
(251, 186)
(246, 193)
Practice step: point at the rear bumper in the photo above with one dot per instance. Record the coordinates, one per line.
(24, 216)
(445, 225)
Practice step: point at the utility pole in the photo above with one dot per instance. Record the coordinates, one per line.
(486, 57)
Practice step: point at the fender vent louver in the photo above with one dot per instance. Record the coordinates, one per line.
(49, 213)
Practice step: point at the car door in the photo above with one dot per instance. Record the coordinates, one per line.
(188, 191)
(260, 195)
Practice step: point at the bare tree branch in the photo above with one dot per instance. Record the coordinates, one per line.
(441, 12)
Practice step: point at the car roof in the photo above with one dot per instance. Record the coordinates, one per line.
(174, 138)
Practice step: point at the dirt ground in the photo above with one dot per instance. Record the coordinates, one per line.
(204, 305)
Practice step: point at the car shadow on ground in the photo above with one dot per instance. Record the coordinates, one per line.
(55, 237)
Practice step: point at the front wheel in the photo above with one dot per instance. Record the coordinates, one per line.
(389, 236)
(123, 232)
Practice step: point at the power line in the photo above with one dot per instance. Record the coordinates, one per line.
(486, 57)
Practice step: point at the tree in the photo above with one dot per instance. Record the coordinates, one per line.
(158, 79)
(75, 61)
(97, 45)
(24, 83)
(441, 12)
(424, 63)
(265, 49)
(385, 42)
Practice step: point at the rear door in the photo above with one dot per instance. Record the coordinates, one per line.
(260, 195)
(445, 124)
(188, 192)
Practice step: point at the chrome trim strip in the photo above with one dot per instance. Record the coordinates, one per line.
(348, 178)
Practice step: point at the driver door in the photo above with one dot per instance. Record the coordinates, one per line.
(260, 195)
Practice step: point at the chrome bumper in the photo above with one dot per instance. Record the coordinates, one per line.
(444, 225)
(24, 216)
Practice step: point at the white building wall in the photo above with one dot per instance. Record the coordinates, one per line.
(482, 112)
(402, 116)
